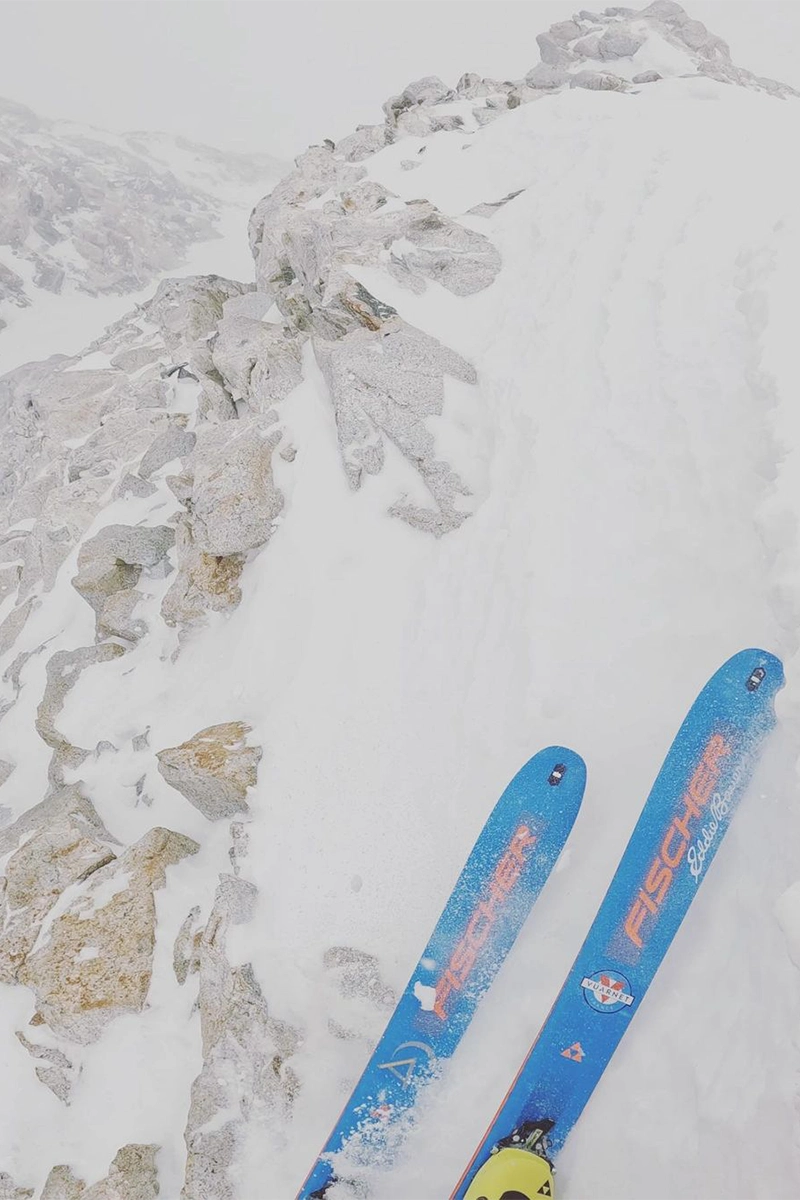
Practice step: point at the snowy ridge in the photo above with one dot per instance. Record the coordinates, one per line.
(499, 449)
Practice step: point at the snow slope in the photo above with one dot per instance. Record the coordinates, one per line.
(631, 448)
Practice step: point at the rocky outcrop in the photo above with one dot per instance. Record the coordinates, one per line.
(233, 500)
(63, 670)
(214, 769)
(55, 1070)
(133, 1176)
(246, 1054)
(384, 384)
(10, 1191)
(109, 567)
(94, 958)
(60, 842)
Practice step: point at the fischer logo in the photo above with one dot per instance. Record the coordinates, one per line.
(607, 991)
(483, 919)
(676, 842)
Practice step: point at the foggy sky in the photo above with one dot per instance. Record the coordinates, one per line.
(276, 76)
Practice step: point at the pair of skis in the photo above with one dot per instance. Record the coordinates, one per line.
(678, 833)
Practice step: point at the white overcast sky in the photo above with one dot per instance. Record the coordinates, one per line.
(276, 76)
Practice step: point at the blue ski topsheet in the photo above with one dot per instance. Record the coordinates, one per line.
(675, 839)
(505, 872)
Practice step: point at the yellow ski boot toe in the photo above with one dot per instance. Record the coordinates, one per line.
(512, 1174)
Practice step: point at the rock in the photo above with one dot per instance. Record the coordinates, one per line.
(66, 514)
(214, 769)
(552, 52)
(116, 620)
(546, 77)
(133, 1176)
(59, 1075)
(122, 437)
(522, 95)
(62, 1184)
(598, 81)
(646, 77)
(447, 122)
(9, 581)
(458, 258)
(185, 952)
(234, 499)
(188, 309)
(565, 31)
(113, 561)
(665, 10)
(697, 37)
(489, 208)
(357, 974)
(6, 769)
(59, 842)
(63, 669)
(471, 86)
(619, 43)
(10, 1191)
(385, 383)
(588, 47)
(204, 582)
(95, 961)
(133, 486)
(258, 362)
(467, 84)
(365, 141)
(174, 442)
(12, 626)
(109, 567)
(246, 1069)
(427, 91)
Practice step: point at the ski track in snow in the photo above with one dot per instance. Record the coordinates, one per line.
(634, 447)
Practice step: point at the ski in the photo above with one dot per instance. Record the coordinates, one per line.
(509, 864)
(675, 839)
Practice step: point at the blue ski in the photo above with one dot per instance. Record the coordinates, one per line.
(505, 872)
(678, 833)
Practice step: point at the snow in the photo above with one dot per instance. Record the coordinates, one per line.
(633, 449)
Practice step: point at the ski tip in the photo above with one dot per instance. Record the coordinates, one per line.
(558, 767)
(755, 673)
(551, 783)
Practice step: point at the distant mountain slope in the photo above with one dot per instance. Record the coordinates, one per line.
(100, 212)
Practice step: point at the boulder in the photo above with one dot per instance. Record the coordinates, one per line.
(213, 769)
(619, 43)
(234, 500)
(61, 841)
(95, 959)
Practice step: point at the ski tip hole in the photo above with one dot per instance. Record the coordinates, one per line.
(756, 679)
(557, 774)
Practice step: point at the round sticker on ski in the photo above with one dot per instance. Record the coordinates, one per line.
(607, 991)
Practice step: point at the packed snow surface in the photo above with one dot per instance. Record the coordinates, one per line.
(632, 450)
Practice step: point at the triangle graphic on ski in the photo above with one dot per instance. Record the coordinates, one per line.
(575, 1052)
(545, 1189)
